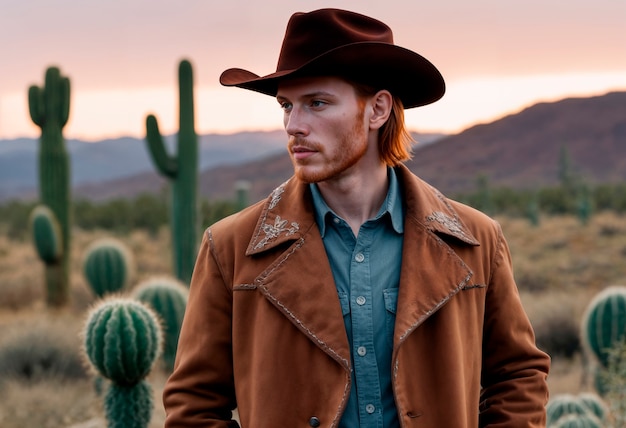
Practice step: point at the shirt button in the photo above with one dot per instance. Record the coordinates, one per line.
(359, 257)
(360, 300)
(361, 350)
(370, 408)
(336, 220)
(314, 421)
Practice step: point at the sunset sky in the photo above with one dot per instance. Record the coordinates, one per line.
(122, 56)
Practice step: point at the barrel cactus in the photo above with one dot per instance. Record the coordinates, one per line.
(168, 298)
(182, 170)
(596, 405)
(49, 108)
(604, 323)
(122, 340)
(562, 405)
(578, 421)
(107, 266)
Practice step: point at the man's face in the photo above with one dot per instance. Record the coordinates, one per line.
(327, 132)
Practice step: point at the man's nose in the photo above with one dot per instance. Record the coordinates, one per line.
(295, 123)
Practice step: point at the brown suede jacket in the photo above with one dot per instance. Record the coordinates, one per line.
(264, 332)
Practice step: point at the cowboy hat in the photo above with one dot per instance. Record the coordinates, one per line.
(333, 42)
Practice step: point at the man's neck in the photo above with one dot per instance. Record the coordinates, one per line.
(356, 197)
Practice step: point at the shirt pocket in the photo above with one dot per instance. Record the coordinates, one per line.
(345, 303)
(344, 300)
(391, 304)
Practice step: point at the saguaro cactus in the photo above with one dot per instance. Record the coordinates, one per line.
(107, 266)
(182, 170)
(49, 109)
(168, 298)
(122, 340)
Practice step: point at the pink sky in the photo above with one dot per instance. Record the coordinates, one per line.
(121, 56)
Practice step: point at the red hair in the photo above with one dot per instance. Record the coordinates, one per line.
(394, 141)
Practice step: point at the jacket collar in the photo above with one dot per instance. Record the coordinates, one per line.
(287, 215)
(429, 207)
(288, 212)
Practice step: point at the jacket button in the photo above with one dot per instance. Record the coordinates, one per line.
(314, 421)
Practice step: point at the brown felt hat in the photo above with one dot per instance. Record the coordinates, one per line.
(333, 42)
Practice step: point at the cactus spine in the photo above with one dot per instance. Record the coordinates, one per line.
(107, 266)
(182, 170)
(49, 109)
(168, 298)
(122, 340)
(604, 323)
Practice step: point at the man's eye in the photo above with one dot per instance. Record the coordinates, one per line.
(317, 103)
(285, 106)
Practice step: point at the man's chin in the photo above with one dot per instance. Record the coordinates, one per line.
(309, 176)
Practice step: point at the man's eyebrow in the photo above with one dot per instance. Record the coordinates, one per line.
(308, 95)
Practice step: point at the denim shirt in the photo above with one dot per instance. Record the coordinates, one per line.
(366, 270)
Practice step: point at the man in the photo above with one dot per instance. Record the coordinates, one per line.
(355, 295)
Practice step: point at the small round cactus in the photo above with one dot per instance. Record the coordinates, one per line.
(595, 404)
(168, 298)
(107, 266)
(578, 421)
(122, 340)
(604, 323)
(563, 405)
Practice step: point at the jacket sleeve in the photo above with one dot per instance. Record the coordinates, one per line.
(514, 375)
(200, 392)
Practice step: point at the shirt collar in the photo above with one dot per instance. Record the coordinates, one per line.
(392, 205)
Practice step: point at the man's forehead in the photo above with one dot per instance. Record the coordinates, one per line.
(312, 84)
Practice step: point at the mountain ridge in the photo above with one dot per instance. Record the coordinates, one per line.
(519, 150)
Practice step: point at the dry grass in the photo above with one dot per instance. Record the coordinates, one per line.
(559, 265)
(53, 402)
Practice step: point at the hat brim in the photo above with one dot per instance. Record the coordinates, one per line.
(404, 73)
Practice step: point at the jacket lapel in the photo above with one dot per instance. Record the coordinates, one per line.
(432, 272)
(299, 282)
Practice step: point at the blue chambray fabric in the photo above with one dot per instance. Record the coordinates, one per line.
(366, 270)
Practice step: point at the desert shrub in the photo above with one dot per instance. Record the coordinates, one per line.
(39, 351)
(532, 281)
(51, 403)
(611, 382)
(610, 197)
(210, 212)
(558, 334)
(14, 218)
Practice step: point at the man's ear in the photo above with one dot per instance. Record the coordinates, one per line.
(381, 104)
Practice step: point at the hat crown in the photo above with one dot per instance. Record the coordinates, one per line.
(312, 34)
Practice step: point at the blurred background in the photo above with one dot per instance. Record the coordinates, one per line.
(531, 130)
(121, 57)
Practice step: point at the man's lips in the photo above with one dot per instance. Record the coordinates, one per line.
(302, 152)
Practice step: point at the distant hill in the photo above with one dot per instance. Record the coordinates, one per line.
(520, 151)
(104, 161)
(264, 172)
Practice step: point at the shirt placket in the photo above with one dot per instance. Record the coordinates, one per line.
(361, 308)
